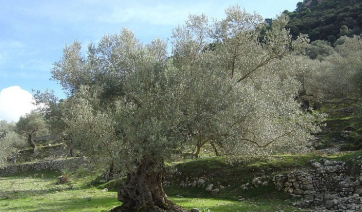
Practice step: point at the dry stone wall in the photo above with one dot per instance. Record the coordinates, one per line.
(329, 185)
(44, 152)
(56, 164)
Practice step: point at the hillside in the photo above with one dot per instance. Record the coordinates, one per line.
(326, 19)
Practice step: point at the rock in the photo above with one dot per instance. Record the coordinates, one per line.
(331, 203)
(256, 181)
(105, 190)
(210, 187)
(195, 210)
(240, 198)
(245, 186)
(316, 165)
(329, 163)
(358, 191)
(215, 192)
(330, 186)
(201, 182)
(279, 181)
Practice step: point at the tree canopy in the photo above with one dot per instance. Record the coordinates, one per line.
(133, 104)
(326, 20)
(31, 124)
(8, 138)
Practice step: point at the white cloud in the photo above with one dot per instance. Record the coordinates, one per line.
(15, 102)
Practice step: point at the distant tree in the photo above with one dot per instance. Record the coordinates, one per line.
(132, 104)
(5, 127)
(7, 140)
(29, 125)
(350, 63)
(338, 75)
(300, 7)
(326, 20)
(343, 30)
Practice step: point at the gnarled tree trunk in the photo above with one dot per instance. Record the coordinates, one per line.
(30, 141)
(143, 191)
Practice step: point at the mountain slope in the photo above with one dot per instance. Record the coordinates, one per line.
(326, 19)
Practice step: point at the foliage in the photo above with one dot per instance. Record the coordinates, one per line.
(336, 73)
(9, 141)
(326, 20)
(319, 49)
(335, 82)
(133, 105)
(30, 125)
(116, 93)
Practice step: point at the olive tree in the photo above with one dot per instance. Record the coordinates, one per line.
(132, 104)
(31, 124)
(8, 140)
(240, 92)
(339, 74)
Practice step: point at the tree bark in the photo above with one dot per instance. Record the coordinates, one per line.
(198, 151)
(30, 141)
(215, 149)
(143, 191)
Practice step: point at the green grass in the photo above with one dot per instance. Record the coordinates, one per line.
(219, 205)
(42, 193)
(232, 199)
(38, 192)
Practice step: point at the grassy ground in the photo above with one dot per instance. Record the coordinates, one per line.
(42, 193)
(38, 192)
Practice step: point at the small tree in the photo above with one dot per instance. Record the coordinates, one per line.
(7, 140)
(29, 125)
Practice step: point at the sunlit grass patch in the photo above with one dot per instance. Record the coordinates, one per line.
(220, 205)
(44, 194)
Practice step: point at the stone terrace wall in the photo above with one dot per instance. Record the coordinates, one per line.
(57, 164)
(40, 153)
(332, 185)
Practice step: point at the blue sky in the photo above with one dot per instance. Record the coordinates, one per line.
(33, 34)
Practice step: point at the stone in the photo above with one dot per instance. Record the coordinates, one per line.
(330, 186)
(298, 192)
(195, 210)
(309, 197)
(215, 192)
(256, 181)
(316, 165)
(201, 182)
(210, 187)
(330, 204)
(358, 191)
